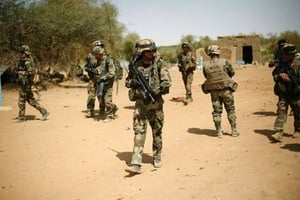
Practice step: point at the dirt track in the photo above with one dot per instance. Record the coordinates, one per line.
(72, 157)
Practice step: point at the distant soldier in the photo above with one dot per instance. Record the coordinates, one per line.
(287, 87)
(89, 65)
(104, 76)
(187, 65)
(219, 83)
(25, 74)
(148, 79)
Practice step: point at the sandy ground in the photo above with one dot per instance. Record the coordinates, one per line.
(70, 157)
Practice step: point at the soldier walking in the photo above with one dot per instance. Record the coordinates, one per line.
(148, 79)
(187, 65)
(25, 74)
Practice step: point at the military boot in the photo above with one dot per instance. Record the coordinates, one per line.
(234, 132)
(219, 129)
(157, 161)
(188, 99)
(134, 169)
(19, 119)
(90, 113)
(277, 136)
(45, 115)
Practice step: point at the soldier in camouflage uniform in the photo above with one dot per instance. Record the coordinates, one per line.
(89, 65)
(25, 74)
(219, 83)
(104, 74)
(287, 87)
(187, 65)
(282, 106)
(148, 104)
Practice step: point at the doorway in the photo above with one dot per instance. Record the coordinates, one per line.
(247, 54)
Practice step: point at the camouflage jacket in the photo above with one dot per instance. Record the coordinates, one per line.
(156, 75)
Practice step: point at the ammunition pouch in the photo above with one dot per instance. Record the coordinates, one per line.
(204, 89)
(234, 86)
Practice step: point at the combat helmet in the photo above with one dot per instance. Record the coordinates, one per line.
(25, 49)
(98, 43)
(185, 45)
(213, 49)
(146, 45)
(289, 49)
(282, 42)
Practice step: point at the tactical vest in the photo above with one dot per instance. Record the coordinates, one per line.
(152, 76)
(217, 78)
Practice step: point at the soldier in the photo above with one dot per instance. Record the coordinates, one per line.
(187, 65)
(287, 87)
(282, 106)
(148, 79)
(104, 74)
(219, 83)
(25, 74)
(89, 65)
(278, 54)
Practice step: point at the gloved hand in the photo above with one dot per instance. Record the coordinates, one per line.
(134, 84)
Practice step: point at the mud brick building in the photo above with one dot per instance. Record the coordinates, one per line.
(243, 49)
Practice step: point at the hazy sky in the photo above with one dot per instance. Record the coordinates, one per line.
(166, 21)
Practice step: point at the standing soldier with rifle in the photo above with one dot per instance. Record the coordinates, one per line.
(104, 75)
(89, 64)
(187, 65)
(148, 79)
(287, 87)
(24, 75)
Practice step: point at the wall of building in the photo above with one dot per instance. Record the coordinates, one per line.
(232, 47)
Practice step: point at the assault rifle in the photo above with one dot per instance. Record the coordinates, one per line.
(292, 76)
(182, 65)
(145, 88)
(100, 82)
(20, 67)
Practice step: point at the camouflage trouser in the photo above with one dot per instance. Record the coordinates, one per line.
(188, 80)
(106, 102)
(91, 89)
(282, 109)
(155, 116)
(295, 105)
(218, 98)
(25, 94)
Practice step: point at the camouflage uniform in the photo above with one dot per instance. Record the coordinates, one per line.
(89, 66)
(157, 77)
(282, 106)
(219, 83)
(288, 91)
(105, 72)
(187, 66)
(25, 74)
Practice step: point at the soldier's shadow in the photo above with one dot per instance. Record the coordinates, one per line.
(97, 116)
(31, 117)
(265, 113)
(208, 132)
(266, 133)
